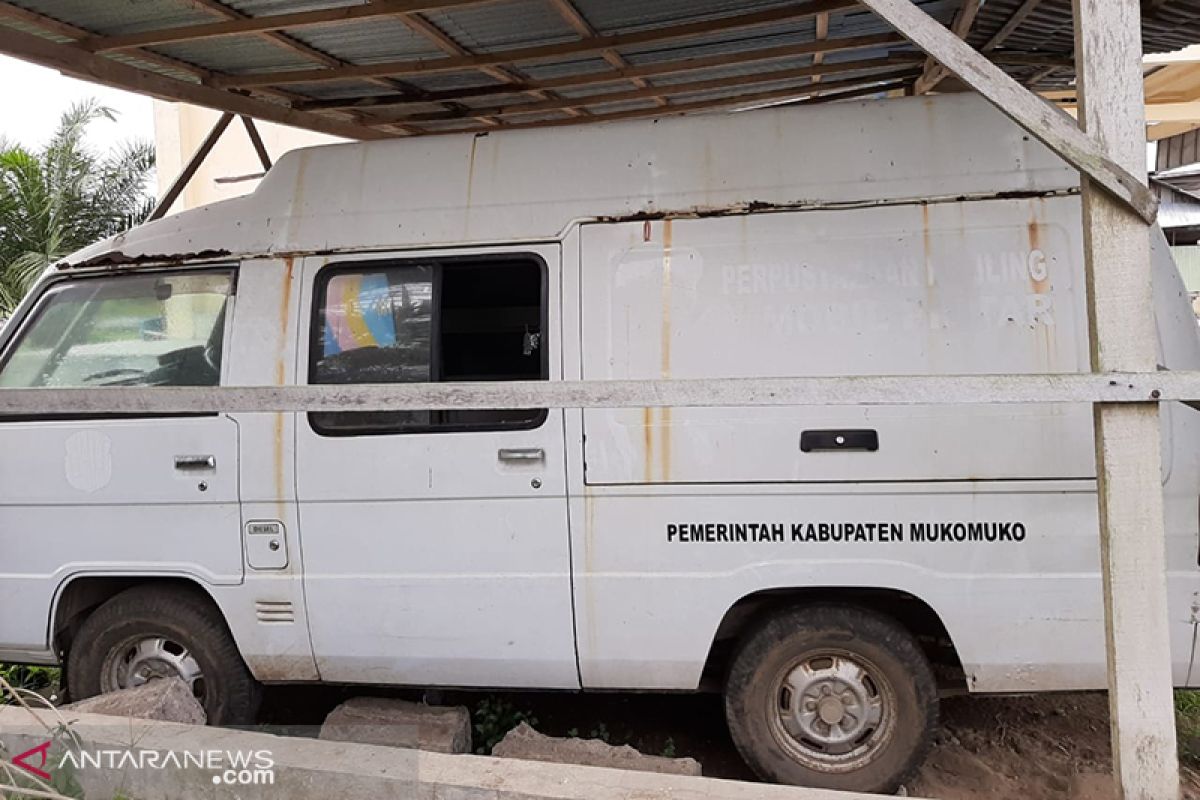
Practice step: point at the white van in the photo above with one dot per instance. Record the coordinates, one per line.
(833, 570)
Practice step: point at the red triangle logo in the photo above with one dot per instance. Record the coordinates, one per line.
(42, 750)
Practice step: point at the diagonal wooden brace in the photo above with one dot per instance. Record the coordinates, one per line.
(1054, 129)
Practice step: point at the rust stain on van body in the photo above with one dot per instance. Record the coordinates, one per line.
(281, 375)
(589, 567)
(665, 413)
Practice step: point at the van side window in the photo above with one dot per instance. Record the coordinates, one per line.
(130, 330)
(429, 321)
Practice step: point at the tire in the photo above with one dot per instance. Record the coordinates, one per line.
(834, 697)
(156, 631)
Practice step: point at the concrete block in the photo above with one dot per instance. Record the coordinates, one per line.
(309, 769)
(398, 723)
(526, 743)
(163, 699)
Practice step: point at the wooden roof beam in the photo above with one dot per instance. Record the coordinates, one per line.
(567, 10)
(271, 22)
(76, 34)
(651, 92)
(293, 44)
(880, 83)
(70, 59)
(447, 44)
(649, 70)
(589, 46)
(51, 25)
(821, 34)
(1014, 22)
(934, 72)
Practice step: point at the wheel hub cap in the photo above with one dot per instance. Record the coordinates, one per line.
(145, 659)
(831, 710)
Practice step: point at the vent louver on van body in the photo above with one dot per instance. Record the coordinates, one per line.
(275, 611)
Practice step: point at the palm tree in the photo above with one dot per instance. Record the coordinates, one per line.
(66, 196)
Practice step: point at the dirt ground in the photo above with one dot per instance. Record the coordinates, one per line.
(1044, 747)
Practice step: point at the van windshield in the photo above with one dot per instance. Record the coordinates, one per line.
(133, 330)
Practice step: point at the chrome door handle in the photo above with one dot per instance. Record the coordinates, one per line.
(193, 463)
(521, 454)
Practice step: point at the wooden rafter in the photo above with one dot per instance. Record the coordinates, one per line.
(874, 85)
(934, 72)
(53, 26)
(689, 87)
(274, 37)
(73, 60)
(76, 34)
(448, 45)
(295, 45)
(271, 22)
(619, 76)
(1014, 22)
(567, 10)
(820, 35)
(590, 46)
(1041, 75)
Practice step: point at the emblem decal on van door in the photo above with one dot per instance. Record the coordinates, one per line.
(88, 461)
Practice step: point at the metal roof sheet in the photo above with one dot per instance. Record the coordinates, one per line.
(529, 59)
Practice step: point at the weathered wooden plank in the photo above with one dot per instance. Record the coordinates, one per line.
(935, 72)
(536, 53)
(1052, 127)
(72, 60)
(853, 87)
(367, 102)
(1117, 387)
(650, 92)
(270, 22)
(1108, 56)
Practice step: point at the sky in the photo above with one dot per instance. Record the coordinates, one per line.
(35, 97)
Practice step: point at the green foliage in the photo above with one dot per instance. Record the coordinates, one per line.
(1187, 726)
(63, 781)
(492, 718)
(668, 750)
(35, 679)
(66, 196)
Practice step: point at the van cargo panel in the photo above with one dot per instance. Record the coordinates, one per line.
(975, 287)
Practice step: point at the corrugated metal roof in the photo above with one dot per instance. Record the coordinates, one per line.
(368, 41)
(533, 59)
(117, 19)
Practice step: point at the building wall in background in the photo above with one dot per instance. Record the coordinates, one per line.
(180, 128)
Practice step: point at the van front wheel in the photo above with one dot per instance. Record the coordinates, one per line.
(834, 697)
(156, 631)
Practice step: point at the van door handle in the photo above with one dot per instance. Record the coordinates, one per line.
(846, 439)
(194, 463)
(521, 454)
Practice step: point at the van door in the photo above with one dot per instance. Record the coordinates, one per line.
(435, 543)
(120, 493)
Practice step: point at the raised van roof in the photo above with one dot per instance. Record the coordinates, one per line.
(531, 185)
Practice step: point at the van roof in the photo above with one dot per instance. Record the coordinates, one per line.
(531, 185)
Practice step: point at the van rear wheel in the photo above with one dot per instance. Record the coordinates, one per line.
(834, 697)
(156, 631)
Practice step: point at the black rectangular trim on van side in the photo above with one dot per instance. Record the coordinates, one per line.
(329, 271)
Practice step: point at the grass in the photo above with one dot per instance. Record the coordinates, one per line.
(43, 680)
(1187, 726)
